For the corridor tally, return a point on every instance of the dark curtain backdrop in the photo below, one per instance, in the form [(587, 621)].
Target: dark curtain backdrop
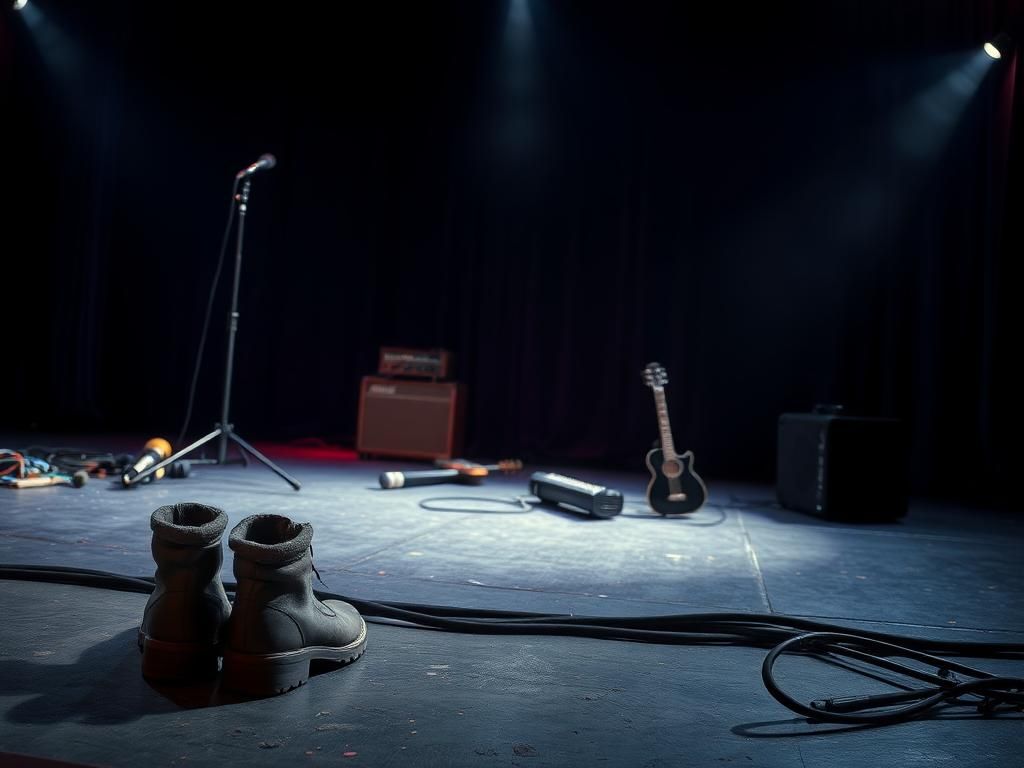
[(784, 205)]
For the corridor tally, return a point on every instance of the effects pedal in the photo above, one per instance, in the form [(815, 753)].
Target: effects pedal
[(595, 500)]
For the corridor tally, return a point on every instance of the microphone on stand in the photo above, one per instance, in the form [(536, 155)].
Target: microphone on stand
[(153, 451), (265, 163)]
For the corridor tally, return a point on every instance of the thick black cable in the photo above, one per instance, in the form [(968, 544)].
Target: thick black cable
[(206, 319), (758, 626), (56, 574), (782, 634), (994, 691)]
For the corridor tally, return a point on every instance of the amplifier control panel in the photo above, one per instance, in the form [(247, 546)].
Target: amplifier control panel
[(420, 363)]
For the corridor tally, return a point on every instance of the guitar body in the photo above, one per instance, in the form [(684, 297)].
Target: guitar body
[(674, 488)]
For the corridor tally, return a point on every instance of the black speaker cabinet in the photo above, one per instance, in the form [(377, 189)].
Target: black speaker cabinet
[(414, 419), (842, 467)]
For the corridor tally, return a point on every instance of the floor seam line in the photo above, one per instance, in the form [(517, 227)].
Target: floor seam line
[(748, 546), (400, 542)]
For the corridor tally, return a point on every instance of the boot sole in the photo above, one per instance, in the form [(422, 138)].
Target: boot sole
[(270, 674), (169, 662)]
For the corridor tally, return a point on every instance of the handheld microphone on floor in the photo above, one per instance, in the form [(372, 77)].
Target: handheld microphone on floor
[(596, 500), (448, 470), (155, 450), (417, 477)]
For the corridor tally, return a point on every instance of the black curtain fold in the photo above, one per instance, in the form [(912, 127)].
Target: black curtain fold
[(764, 200)]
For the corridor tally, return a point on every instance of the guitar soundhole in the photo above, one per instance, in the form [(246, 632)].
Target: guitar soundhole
[(672, 468)]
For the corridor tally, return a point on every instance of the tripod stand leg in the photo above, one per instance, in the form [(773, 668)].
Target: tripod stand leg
[(265, 461), (222, 447), (244, 455)]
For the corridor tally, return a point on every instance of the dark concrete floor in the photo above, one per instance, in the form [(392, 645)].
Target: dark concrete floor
[(70, 687)]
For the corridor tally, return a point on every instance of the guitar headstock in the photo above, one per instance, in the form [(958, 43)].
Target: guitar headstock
[(655, 375)]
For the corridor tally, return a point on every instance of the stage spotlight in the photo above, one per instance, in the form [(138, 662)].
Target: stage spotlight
[(19, 4), (999, 47)]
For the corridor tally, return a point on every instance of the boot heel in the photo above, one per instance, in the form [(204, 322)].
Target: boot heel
[(177, 661), (265, 675)]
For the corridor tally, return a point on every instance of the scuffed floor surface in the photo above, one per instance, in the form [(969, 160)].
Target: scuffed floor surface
[(71, 691)]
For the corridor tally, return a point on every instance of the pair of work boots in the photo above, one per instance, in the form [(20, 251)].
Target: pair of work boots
[(276, 625)]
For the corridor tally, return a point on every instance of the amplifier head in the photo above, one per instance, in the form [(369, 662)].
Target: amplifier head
[(421, 363)]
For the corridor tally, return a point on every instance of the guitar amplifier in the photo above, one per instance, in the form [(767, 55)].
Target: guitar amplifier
[(842, 467), (414, 419)]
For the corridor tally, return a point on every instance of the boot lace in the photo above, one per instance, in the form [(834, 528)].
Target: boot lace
[(314, 567)]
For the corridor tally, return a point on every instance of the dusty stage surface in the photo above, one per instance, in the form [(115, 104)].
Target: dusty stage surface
[(70, 687)]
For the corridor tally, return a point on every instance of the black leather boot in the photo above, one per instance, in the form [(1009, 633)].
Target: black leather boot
[(185, 617), (277, 624)]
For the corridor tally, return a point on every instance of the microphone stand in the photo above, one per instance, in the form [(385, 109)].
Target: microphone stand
[(224, 430)]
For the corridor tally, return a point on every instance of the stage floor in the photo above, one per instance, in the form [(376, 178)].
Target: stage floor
[(70, 687)]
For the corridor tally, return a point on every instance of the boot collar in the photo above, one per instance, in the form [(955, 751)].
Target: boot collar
[(188, 523), (270, 539)]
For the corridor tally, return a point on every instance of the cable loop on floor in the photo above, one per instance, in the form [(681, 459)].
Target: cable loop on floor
[(518, 502)]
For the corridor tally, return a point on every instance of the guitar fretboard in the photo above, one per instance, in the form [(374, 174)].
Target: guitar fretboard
[(667, 446)]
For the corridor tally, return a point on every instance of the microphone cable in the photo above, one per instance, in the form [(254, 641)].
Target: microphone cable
[(71, 459), (499, 506), (951, 684), (209, 311), (528, 502)]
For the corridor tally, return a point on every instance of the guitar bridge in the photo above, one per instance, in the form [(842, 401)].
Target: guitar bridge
[(677, 497)]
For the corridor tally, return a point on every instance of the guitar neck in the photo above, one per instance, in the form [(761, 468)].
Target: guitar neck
[(664, 427)]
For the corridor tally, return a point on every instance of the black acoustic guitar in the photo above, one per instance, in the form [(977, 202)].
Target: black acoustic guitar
[(674, 488)]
